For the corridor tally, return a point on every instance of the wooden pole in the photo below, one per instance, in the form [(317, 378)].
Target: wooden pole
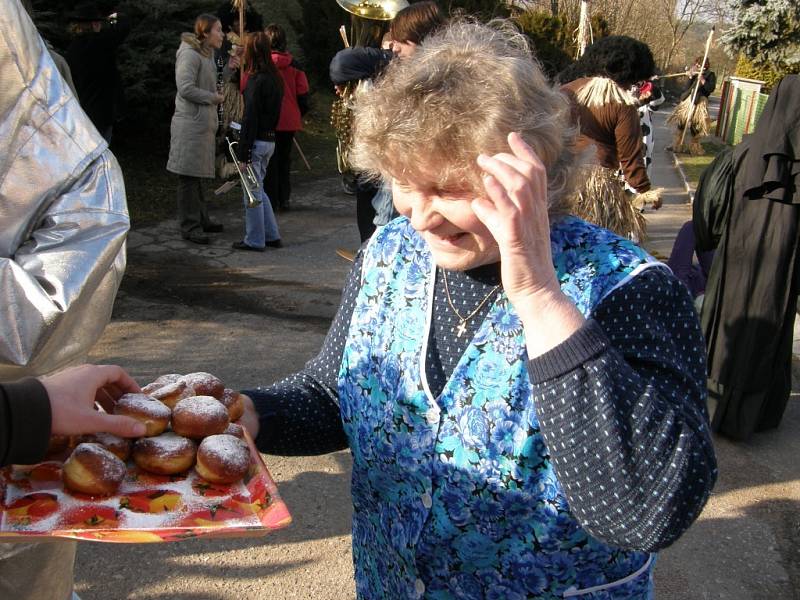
[(697, 85), (300, 150), (681, 74), (241, 20)]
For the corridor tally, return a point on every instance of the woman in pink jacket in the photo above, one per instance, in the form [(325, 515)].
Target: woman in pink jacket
[(295, 104)]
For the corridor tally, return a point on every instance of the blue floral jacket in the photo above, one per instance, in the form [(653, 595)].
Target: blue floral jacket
[(455, 496)]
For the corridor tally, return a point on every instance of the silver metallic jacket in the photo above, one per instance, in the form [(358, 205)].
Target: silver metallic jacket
[(63, 216)]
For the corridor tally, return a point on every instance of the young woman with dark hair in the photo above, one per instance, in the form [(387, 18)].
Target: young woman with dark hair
[(413, 24), (263, 93)]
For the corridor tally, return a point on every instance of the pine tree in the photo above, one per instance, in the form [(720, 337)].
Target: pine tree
[(146, 59), (318, 34), (765, 32), (483, 9)]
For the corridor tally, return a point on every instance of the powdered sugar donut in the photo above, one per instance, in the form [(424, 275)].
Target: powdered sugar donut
[(93, 470), (166, 454), (172, 393), (146, 409), (222, 459), (199, 416), (235, 430), (160, 382), (119, 447), (172, 388), (204, 384), (232, 400)]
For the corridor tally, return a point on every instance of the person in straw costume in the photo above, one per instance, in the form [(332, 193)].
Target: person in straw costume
[(598, 86), (698, 115)]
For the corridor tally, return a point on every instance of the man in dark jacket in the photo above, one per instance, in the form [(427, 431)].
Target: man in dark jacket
[(92, 58)]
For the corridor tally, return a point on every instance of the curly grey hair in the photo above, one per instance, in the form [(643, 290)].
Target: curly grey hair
[(463, 91)]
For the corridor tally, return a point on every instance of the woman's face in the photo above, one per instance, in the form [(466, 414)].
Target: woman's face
[(215, 36), (444, 218)]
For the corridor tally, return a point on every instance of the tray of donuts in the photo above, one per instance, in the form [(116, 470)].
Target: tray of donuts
[(196, 473)]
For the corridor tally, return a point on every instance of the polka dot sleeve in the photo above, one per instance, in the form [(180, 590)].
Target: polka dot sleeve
[(299, 415), (621, 405)]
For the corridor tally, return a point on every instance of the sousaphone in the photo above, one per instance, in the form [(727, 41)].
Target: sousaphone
[(369, 21)]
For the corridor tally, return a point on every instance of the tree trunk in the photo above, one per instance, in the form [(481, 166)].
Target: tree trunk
[(584, 27)]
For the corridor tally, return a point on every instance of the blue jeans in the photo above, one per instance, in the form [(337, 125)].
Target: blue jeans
[(259, 222)]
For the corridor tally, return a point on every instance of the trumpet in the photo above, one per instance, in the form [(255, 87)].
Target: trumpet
[(250, 182)]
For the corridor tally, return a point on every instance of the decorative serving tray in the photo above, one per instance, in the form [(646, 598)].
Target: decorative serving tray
[(146, 508)]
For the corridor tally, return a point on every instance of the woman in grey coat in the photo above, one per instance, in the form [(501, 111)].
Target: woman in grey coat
[(194, 125)]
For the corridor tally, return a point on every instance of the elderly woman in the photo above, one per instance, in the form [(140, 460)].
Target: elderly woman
[(194, 125), (522, 392)]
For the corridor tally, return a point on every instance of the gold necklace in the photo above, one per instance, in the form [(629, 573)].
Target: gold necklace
[(462, 325)]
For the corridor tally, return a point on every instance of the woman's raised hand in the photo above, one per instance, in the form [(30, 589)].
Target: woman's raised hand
[(515, 211)]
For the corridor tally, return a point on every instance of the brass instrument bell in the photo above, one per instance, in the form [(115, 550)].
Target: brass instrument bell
[(250, 183), (369, 19), (378, 10)]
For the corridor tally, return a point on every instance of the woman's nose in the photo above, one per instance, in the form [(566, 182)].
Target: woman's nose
[(423, 214)]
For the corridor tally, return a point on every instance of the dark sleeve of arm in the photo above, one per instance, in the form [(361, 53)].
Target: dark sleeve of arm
[(24, 422), (710, 83), (621, 405), (353, 64), (712, 201), (299, 415), (247, 137), (301, 85), (302, 103), (628, 136)]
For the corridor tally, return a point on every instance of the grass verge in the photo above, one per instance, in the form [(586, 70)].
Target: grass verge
[(693, 166)]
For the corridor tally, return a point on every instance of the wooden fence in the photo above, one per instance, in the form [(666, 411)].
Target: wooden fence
[(740, 107)]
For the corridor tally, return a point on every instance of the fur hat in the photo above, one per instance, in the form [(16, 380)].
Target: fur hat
[(618, 57)]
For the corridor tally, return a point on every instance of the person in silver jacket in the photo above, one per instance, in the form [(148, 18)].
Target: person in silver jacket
[(62, 250)]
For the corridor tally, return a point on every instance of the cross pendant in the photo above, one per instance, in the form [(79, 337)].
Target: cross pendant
[(461, 329)]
